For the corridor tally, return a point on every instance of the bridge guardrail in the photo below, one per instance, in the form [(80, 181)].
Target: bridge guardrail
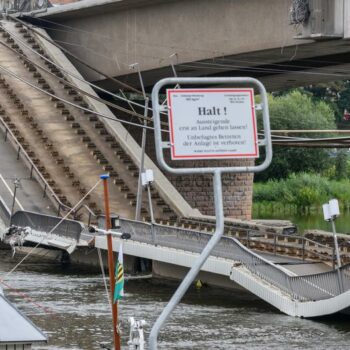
[(5, 212), (45, 223), (303, 288), (275, 242), (13, 6), (34, 172)]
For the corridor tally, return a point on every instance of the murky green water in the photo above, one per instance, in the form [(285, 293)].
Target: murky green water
[(311, 221)]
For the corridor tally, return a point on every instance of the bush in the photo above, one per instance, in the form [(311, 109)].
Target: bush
[(303, 190)]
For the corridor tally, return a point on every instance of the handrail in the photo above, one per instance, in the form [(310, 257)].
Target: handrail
[(33, 167), (250, 231), (91, 213), (45, 184), (303, 288)]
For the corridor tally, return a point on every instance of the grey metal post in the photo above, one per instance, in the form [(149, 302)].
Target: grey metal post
[(340, 280), (143, 145), (172, 63), (150, 202), (142, 165), (45, 187), (16, 183), (31, 171), (336, 243), (192, 274)]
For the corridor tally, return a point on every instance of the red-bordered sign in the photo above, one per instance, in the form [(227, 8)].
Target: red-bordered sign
[(212, 123)]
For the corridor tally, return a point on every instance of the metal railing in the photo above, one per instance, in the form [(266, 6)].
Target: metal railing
[(35, 173), (274, 242), (45, 223), (303, 288), (5, 212), (13, 6)]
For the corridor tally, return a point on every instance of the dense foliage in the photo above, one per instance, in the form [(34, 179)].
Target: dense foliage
[(297, 110), (336, 94), (302, 191), (299, 178)]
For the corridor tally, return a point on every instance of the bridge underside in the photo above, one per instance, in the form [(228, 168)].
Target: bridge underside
[(249, 38)]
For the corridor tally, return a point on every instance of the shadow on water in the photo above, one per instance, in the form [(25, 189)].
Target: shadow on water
[(340, 322), (208, 296)]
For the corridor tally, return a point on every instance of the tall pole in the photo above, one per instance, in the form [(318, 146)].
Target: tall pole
[(116, 336), (336, 243), (143, 145), (142, 166), (16, 182), (196, 267), (340, 280), (150, 202)]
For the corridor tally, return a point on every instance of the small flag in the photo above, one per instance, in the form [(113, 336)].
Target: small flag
[(119, 276)]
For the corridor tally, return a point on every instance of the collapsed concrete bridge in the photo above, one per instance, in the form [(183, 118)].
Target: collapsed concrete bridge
[(112, 35)]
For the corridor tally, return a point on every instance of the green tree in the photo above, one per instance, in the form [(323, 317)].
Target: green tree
[(297, 110), (336, 93), (341, 171)]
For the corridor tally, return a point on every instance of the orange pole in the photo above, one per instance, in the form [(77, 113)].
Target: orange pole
[(116, 336)]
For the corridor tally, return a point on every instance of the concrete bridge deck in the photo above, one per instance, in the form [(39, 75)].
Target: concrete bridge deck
[(70, 148), (296, 287), (203, 38)]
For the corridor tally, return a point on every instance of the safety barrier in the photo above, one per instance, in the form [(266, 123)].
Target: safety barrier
[(45, 223), (303, 288)]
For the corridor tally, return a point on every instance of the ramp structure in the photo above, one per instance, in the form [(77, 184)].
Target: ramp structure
[(296, 294), (304, 285)]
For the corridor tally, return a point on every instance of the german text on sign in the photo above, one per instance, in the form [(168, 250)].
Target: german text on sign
[(212, 123)]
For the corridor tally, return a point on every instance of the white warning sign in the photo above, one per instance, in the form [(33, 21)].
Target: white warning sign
[(212, 123)]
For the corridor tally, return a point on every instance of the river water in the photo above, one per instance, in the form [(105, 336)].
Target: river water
[(310, 221), (70, 305)]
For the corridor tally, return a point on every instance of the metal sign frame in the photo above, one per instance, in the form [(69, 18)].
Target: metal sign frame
[(161, 145), (217, 183)]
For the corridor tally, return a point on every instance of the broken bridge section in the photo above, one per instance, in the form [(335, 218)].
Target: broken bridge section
[(66, 148)]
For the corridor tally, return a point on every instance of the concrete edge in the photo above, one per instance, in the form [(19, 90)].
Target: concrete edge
[(283, 302), (83, 7), (167, 255)]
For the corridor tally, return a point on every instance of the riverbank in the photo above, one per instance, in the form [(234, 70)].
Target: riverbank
[(299, 198)]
